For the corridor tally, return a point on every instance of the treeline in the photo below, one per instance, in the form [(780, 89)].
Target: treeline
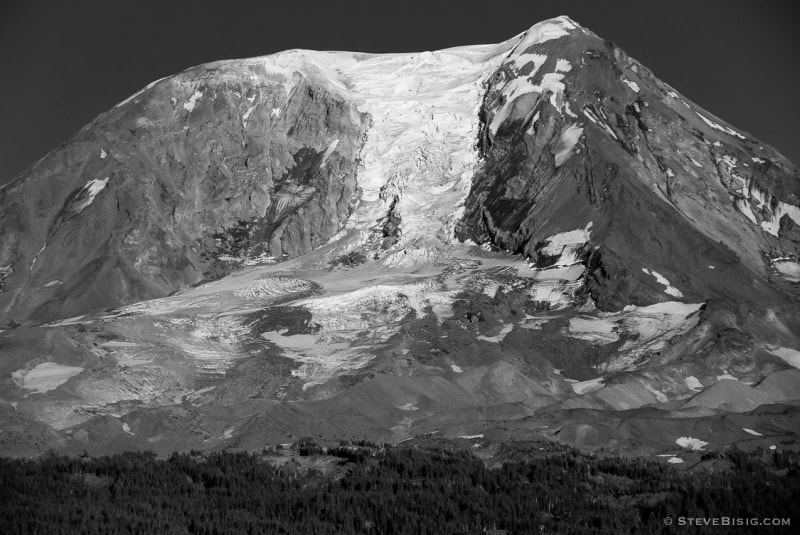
[(390, 490)]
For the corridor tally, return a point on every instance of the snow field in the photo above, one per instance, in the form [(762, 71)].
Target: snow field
[(45, 377)]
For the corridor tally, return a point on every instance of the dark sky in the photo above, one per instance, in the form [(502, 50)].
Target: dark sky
[(64, 62)]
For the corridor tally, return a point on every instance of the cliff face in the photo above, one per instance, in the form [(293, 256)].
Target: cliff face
[(221, 165)]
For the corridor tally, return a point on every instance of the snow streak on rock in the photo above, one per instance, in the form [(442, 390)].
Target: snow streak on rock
[(89, 192), (670, 289)]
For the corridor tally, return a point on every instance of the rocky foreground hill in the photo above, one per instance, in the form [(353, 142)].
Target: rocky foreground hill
[(533, 239)]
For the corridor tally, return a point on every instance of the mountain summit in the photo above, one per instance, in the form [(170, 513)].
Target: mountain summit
[(533, 238)]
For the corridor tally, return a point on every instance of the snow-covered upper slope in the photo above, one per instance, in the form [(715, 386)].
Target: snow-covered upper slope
[(420, 153)]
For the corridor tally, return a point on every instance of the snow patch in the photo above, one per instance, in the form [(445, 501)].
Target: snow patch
[(190, 104), (660, 396), (499, 337), (744, 207), (788, 268), (553, 83), (263, 258), (247, 115), (719, 127), (670, 290), (471, 437), (693, 383), (521, 61), (519, 86), (781, 208), (592, 116), (789, 356), (36, 257), (767, 203), (675, 460), (585, 387), (547, 30), (692, 444), (555, 286), (45, 377), (68, 321), (90, 191), (593, 329), (566, 246), (563, 65), (456, 368), (632, 85), (516, 88), (328, 152), (754, 433), (103, 154), (648, 328), (569, 138), (726, 376)]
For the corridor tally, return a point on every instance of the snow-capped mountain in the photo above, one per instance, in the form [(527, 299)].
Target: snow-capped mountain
[(533, 238)]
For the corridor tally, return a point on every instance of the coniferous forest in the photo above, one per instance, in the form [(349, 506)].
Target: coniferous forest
[(391, 490)]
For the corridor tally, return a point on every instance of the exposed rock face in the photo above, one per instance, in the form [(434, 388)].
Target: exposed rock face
[(222, 164), (533, 238)]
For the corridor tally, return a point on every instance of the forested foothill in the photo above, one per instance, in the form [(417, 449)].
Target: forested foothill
[(426, 488)]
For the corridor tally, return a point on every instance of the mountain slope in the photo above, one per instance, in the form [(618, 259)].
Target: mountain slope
[(511, 239)]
